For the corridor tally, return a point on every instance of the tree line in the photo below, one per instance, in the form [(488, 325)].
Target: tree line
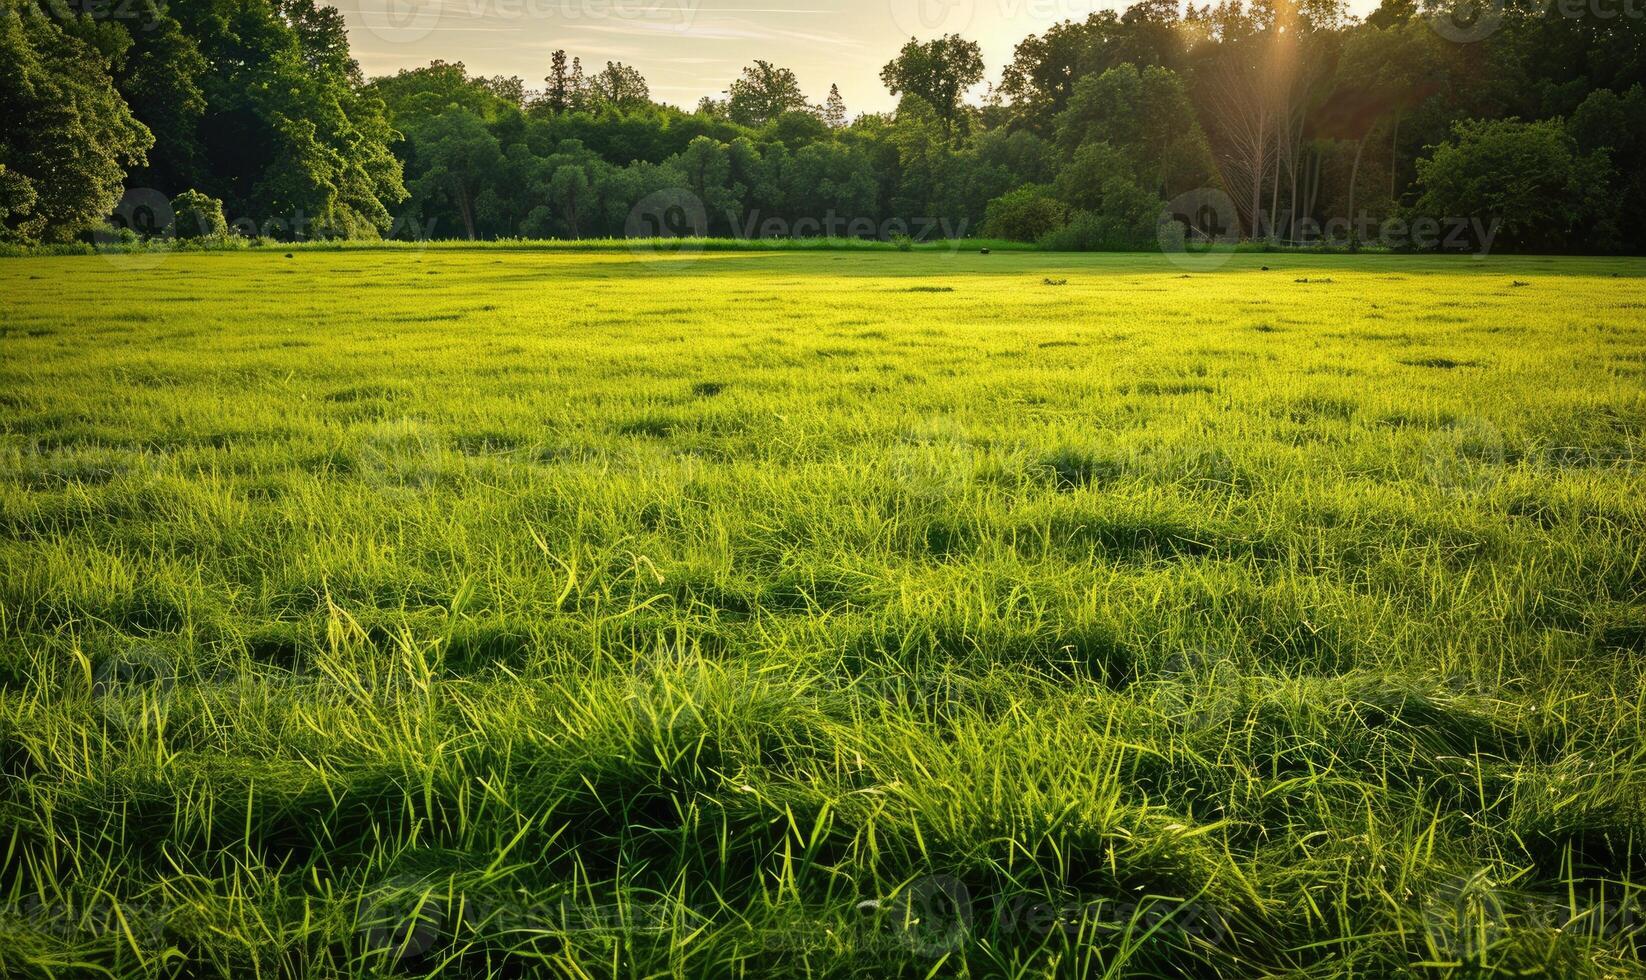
[(1523, 128)]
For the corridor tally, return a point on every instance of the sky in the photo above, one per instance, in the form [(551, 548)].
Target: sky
[(691, 48)]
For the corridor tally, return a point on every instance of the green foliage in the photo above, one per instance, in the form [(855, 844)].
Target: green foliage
[(197, 217), (763, 93), (1025, 214), (66, 136), (1087, 231), (1302, 115), (1148, 116), (1616, 125), (1529, 179), (1040, 80), (1108, 210), (618, 86), (938, 72), (17, 197)]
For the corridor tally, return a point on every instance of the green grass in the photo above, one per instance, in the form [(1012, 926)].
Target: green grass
[(461, 611), (637, 246)]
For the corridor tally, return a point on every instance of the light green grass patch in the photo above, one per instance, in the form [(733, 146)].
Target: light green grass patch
[(846, 613)]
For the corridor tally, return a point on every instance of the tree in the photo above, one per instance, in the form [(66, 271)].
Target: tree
[(161, 75), (1380, 75), (458, 155), (1041, 77), (1529, 177), (509, 88), (1616, 124), (419, 93), (834, 109), (578, 87), (1099, 178), (569, 189), (939, 72), (763, 93), (618, 86), (706, 165), (17, 199), (294, 143), (558, 97), (1146, 115), (66, 135)]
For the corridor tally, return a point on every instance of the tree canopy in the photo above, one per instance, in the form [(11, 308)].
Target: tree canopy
[(1311, 121)]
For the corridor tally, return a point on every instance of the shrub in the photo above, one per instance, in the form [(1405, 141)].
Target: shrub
[(1023, 215), (1526, 181), (1088, 231), (198, 217)]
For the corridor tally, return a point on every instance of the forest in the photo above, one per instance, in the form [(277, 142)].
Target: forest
[(1519, 128)]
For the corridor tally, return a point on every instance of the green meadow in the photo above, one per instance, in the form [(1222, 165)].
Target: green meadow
[(476, 612)]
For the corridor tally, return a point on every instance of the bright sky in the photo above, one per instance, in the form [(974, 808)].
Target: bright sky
[(691, 48)]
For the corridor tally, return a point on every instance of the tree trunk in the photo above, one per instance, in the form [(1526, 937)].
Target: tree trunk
[(1274, 183), (1394, 156), (1291, 224), (1257, 190), (1354, 174), (1314, 185), (466, 207)]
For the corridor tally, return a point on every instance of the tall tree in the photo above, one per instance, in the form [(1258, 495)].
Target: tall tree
[(619, 86), (459, 157), (939, 72), (569, 189), (834, 109), (1148, 117), (558, 94), (762, 93), (287, 139), (66, 136)]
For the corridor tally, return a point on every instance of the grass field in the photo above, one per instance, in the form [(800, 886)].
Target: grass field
[(872, 614)]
